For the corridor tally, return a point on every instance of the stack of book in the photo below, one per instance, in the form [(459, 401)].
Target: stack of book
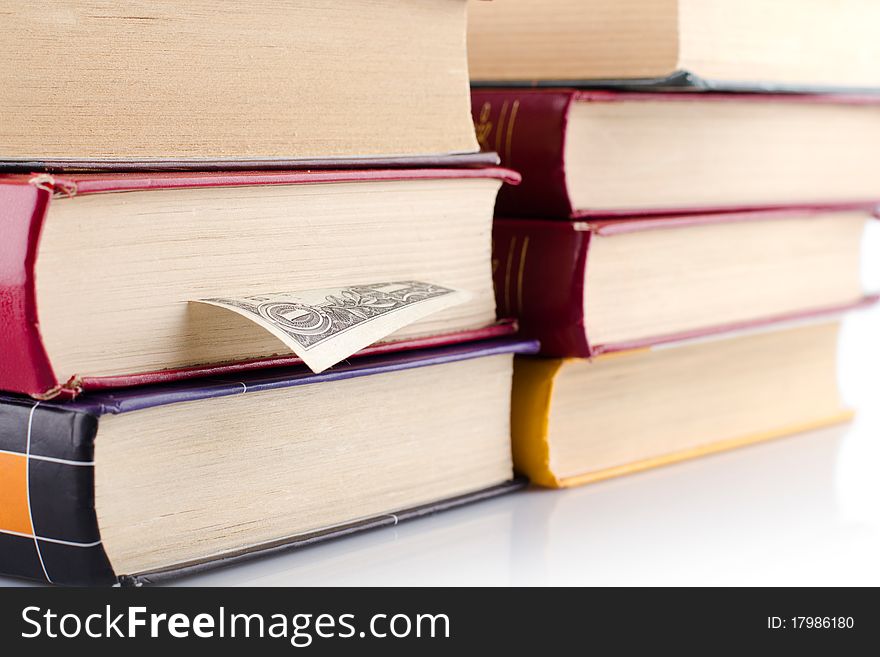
[(255, 291), (196, 199), (696, 187)]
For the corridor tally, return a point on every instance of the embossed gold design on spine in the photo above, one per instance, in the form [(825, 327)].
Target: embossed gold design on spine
[(507, 274), (483, 126), (500, 131), (509, 142), (519, 276)]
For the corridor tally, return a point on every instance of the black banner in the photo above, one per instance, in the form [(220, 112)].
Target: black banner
[(439, 621)]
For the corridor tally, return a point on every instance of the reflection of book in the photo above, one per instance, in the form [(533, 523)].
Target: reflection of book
[(149, 482), (740, 517), (463, 547), (577, 421)]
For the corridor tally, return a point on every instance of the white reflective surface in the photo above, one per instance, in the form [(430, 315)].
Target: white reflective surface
[(799, 511)]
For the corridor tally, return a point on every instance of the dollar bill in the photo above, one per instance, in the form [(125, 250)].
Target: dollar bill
[(325, 326)]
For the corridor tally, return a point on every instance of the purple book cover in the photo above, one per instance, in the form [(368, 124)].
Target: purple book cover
[(53, 443)]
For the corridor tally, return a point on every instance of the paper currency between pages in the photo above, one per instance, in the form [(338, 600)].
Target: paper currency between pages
[(327, 325)]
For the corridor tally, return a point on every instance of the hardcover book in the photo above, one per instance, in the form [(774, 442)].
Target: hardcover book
[(206, 84), (587, 288), (98, 270), (578, 421), (730, 45), (602, 153), (142, 484)]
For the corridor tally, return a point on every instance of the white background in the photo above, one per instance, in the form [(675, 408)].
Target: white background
[(803, 510)]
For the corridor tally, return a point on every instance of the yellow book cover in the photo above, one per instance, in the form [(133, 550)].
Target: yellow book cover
[(578, 421)]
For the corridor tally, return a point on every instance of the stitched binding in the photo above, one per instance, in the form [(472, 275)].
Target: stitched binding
[(48, 183), (71, 389)]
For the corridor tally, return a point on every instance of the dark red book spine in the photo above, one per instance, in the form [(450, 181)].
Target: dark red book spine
[(24, 365), (527, 129), (539, 273)]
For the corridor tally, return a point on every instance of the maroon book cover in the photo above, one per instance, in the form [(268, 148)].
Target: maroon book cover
[(527, 128), (540, 266), (25, 366)]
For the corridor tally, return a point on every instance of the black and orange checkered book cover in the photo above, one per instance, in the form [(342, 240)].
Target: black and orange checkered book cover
[(47, 514), (49, 527)]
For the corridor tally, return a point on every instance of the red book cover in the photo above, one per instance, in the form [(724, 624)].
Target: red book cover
[(527, 127), (540, 270), (25, 366)]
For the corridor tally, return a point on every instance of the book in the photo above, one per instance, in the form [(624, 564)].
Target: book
[(140, 484), (702, 44), (585, 288), (602, 153), (99, 270), (204, 84), (576, 421)]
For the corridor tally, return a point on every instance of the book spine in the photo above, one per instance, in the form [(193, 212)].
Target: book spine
[(532, 395), (538, 268), (24, 364), (527, 130), (48, 526)]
